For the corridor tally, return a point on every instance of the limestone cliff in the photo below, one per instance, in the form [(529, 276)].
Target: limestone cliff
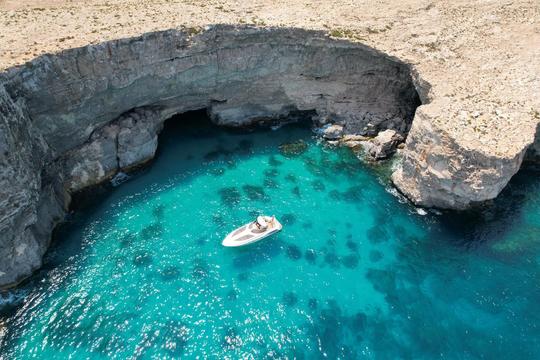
[(75, 119), (439, 169), (28, 200)]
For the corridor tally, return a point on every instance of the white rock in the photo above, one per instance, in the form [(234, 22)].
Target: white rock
[(384, 144), (333, 132)]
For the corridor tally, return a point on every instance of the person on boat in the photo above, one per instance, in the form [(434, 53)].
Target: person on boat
[(261, 223)]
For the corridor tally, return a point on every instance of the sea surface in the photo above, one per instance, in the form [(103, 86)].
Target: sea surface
[(139, 272)]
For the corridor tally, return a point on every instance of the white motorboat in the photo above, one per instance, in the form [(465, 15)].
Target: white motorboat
[(254, 231)]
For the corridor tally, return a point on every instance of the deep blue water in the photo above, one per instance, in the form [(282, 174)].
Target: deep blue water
[(355, 273)]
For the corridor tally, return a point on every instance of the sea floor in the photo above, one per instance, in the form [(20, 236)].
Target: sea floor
[(355, 273)]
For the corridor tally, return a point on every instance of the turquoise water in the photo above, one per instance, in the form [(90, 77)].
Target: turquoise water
[(355, 273)]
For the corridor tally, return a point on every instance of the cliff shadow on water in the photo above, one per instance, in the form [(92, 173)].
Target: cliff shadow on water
[(194, 124), (505, 228), (177, 129)]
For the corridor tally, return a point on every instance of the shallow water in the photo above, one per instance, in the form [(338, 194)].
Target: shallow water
[(355, 273)]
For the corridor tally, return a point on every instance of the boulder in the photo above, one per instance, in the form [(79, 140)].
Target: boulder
[(333, 132), (384, 144)]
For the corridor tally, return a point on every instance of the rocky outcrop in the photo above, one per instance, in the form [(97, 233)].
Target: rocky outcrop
[(384, 144), (241, 76), (128, 141), (75, 119), (333, 132), (437, 170), (354, 141)]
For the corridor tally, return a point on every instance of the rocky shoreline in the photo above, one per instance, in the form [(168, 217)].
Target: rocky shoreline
[(107, 129), (76, 119)]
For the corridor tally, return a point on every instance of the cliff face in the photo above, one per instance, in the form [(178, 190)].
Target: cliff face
[(436, 170), (533, 153), (29, 206), (75, 119)]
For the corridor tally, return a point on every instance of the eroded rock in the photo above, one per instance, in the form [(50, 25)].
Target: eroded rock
[(439, 171), (93, 162), (124, 143), (384, 144), (138, 137), (28, 201), (533, 152), (333, 132)]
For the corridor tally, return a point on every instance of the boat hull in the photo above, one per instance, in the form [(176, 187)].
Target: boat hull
[(249, 234)]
